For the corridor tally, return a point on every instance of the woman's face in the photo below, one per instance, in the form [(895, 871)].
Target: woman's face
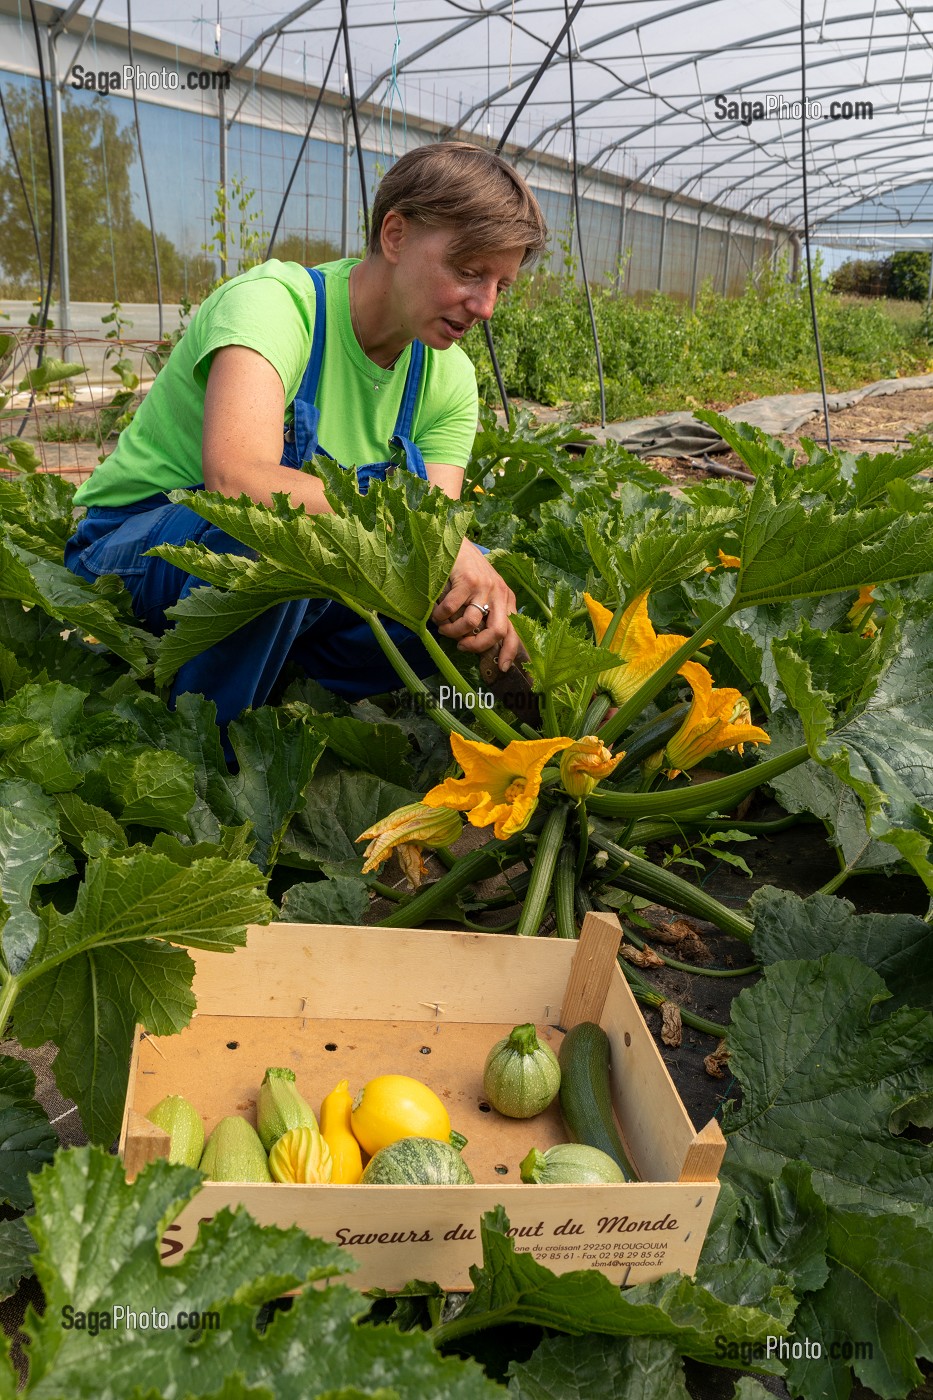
[(440, 295)]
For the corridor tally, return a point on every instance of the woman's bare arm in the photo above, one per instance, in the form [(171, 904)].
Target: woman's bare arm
[(244, 409)]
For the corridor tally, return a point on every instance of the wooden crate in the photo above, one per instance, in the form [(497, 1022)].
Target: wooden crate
[(341, 1002)]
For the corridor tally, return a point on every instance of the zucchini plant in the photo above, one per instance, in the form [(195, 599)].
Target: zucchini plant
[(763, 629), (808, 598)]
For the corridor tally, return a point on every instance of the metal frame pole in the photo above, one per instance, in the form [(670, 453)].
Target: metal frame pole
[(345, 206), (58, 176), (225, 227), (663, 241), (621, 248), (696, 262), (725, 269)]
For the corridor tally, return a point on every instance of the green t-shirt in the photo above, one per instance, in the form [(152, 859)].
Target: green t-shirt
[(270, 309)]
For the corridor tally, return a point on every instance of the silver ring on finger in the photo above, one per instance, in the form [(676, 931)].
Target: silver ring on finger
[(483, 607)]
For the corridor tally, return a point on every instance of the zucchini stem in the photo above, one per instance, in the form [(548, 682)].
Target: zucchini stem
[(542, 872), (689, 967), (644, 878), (413, 683), (650, 996), (476, 865), (700, 798), (496, 725), (564, 884)]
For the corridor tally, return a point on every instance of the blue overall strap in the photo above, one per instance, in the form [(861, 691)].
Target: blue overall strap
[(406, 410), (300, 439), (401, 437), (309, 382)]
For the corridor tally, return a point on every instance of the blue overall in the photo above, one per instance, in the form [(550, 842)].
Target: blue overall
[(327, 640)]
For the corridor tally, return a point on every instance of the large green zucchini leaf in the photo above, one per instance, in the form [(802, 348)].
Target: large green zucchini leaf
[(28, 577), (27, 1142), (594, 1367), (110, 962), (389, 552), (749, 1303), (98, 1244), (31, 854), (863, 1278), (821, 1078), (868, 719), (898, 946)]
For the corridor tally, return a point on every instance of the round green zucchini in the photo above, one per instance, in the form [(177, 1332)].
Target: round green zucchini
[(521, 1076), (571, 1162), (417, 1162)]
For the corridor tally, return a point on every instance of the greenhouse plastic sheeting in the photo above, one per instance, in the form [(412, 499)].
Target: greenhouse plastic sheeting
[(682, 435)]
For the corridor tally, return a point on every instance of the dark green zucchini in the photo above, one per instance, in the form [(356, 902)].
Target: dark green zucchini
[(650, 738), (585, 1100)]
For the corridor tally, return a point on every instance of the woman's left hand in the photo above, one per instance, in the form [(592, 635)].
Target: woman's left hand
[(473, 580)]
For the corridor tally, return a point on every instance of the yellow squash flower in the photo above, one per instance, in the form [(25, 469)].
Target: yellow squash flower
[(717, 719), (498, 786), (585, 764), (861, 609), (641, 648), (405, 832), (728, 561)]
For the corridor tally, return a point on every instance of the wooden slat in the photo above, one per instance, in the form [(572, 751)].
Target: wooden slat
[(144, 1143), (705, 1154), (655, 1125), (592, 970), (347, 973)]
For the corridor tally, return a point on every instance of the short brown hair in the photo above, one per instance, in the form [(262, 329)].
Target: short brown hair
[(453, 184)]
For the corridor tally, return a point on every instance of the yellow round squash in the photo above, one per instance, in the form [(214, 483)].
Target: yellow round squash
[(392, 1107)]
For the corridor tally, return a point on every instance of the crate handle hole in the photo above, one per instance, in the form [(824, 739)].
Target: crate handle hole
[(425, 1050), (501, 1170), (330, 1045), (233, 1045)]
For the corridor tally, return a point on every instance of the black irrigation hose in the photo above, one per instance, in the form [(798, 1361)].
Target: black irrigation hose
[(487, 331), (355, 115), (576, 215), (542, 68), (142, 166), (304, 144), (806, 214)]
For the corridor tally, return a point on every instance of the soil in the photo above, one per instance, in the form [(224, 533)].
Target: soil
[(874, 425)]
